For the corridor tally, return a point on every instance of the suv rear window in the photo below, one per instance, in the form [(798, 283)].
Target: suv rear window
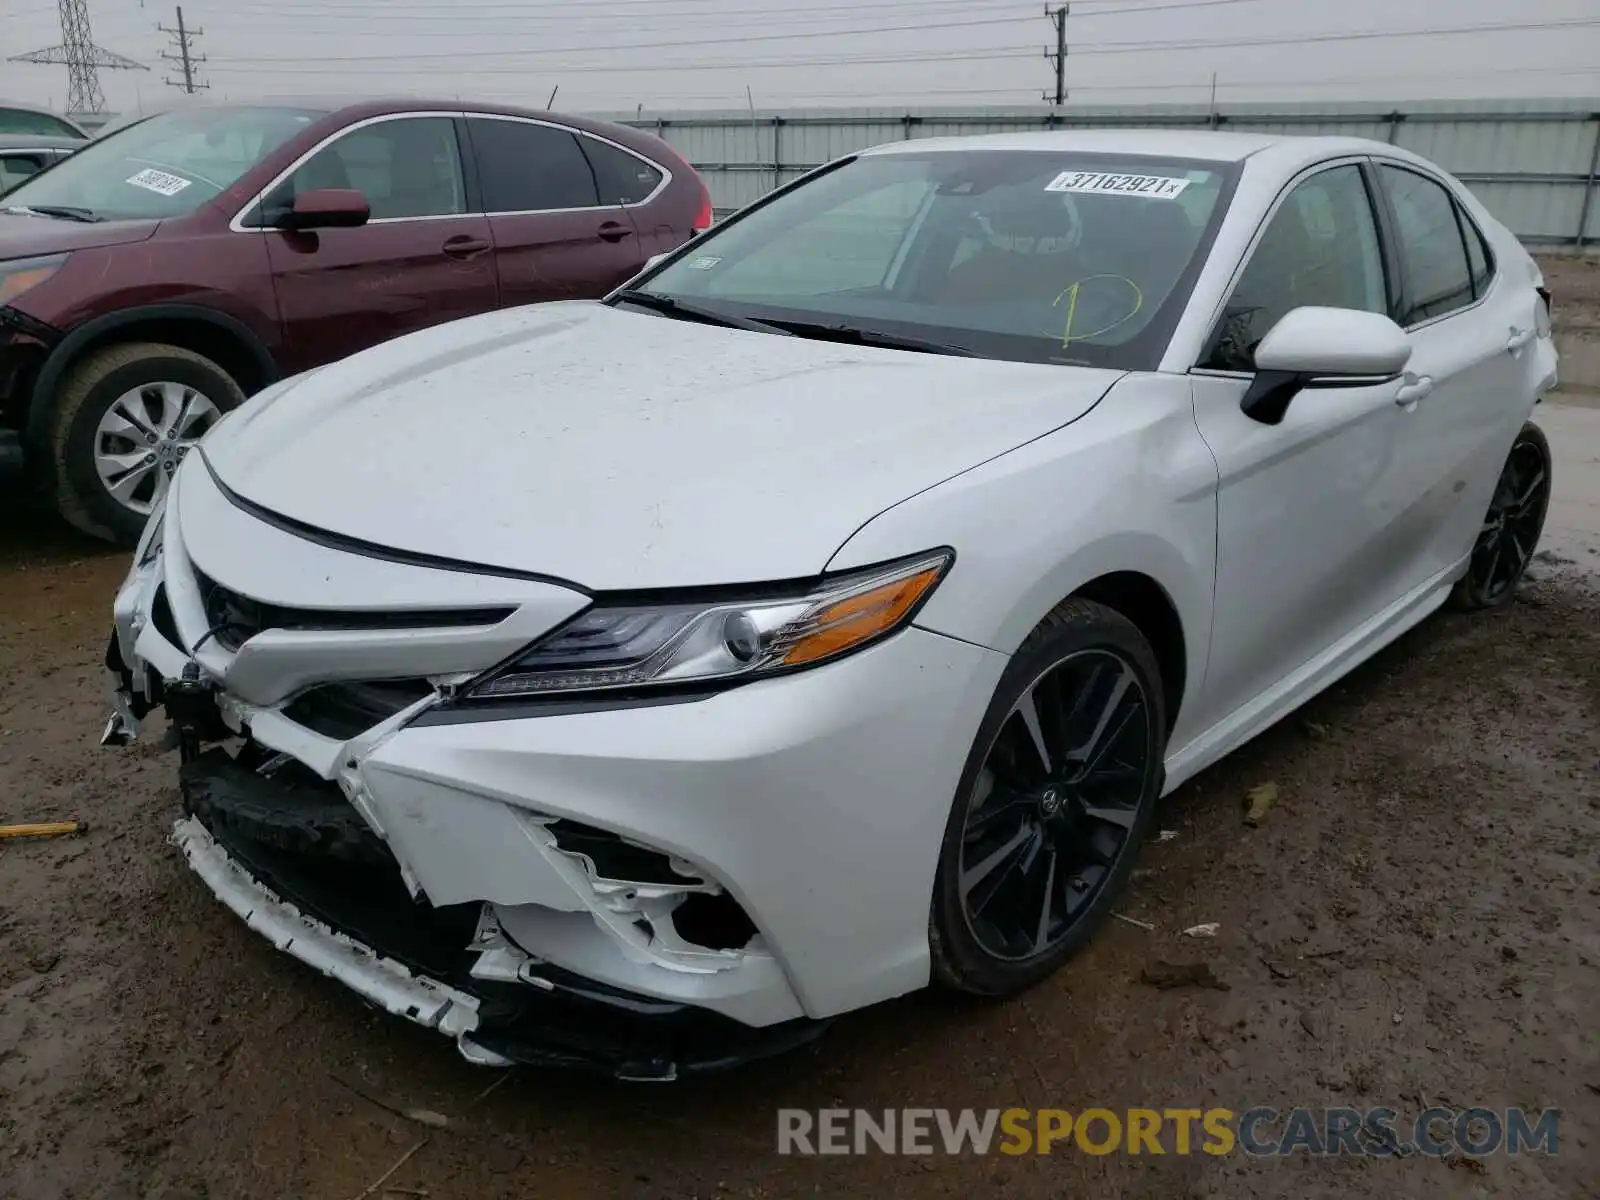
[(623, 178)]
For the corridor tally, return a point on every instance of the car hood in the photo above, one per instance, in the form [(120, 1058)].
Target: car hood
[(620, 449), (25, 237)]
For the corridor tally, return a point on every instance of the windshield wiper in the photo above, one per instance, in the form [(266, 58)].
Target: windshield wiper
[(60, 211), (668, 306), (876, 337)]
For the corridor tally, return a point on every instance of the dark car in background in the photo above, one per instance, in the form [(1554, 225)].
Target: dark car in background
[(30, 119), (24, 155), (174, 266)]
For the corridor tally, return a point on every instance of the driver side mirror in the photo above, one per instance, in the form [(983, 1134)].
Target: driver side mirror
[(1314, 347), (325, 208)]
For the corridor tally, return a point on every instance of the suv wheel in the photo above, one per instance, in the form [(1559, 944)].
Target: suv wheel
[(123, 420)]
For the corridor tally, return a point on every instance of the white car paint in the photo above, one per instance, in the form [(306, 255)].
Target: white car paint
[(742, 431), (524, 458)]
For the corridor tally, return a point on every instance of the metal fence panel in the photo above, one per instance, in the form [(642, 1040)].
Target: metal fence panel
[(1532, 162)]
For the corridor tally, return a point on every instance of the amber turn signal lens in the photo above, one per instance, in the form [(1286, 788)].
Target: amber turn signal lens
[(14, 284), (859, 618)]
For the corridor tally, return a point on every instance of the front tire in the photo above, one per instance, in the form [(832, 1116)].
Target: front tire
[(1058, 794), (122, 420), (1511, 528)]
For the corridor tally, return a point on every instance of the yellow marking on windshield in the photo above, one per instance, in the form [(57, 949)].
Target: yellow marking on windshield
[(1070, 294)]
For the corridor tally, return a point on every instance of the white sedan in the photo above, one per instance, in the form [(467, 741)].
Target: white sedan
[(639, 684)]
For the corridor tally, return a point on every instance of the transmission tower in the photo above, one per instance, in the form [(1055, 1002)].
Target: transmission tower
[(182, 39), (82, 57)]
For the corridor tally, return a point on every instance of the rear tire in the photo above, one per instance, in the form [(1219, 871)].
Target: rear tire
[(1061, 798), (95, 449), (1511, 529)]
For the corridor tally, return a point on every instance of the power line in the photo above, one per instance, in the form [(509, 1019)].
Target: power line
[(374, 62), (655, 11), (183, 39), (696, 42), (82, 59)]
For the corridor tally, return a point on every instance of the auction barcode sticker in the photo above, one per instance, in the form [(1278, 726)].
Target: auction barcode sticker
[(1160, 187), (159, 181)]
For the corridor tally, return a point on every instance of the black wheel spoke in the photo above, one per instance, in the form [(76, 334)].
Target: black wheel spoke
[(989, 874), (1056, 804), (1122, 818), (1047, 904), (1027, 710)]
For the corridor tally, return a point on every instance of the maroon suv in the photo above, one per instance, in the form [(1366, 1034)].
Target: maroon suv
[(169, 269)]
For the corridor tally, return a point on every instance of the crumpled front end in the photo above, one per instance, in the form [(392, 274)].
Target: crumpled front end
[(641, 888)]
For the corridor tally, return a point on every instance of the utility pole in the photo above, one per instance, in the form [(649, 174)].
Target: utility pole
[(182, 41), (1058, 17), (82, 58)]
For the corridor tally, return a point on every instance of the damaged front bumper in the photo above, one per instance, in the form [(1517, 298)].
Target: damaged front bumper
[(650, 890)]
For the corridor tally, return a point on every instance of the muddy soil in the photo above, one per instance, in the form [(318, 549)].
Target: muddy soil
[(1417, 917)]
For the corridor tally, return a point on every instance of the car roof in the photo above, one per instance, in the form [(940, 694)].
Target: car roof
[(1205, 144), (355, 107), (39, 141)]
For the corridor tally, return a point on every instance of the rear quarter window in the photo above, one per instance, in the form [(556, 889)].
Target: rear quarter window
[(622, 178)]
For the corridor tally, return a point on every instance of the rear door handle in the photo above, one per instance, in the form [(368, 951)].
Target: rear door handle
[(614, 231), (1413, 390), (464, 246), (1518, 339)]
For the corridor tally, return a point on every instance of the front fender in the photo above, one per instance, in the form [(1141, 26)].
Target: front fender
[(1129, 487)]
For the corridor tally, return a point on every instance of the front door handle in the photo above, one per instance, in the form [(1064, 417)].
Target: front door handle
[(465, 246), (1415, 388), (614, 231), (1518, 339)]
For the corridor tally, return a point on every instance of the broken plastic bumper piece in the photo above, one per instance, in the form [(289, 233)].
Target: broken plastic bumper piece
[(325, 890)]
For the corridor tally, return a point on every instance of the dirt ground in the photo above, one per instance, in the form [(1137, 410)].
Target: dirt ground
[(1416, 921)]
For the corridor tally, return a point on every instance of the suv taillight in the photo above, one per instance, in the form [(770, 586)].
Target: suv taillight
[(705, 217)]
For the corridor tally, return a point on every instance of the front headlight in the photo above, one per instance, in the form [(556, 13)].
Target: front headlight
[(22, 275), (629, 646)]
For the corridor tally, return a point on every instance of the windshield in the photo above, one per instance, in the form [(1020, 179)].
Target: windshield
[(164, 166), (1027, 255)]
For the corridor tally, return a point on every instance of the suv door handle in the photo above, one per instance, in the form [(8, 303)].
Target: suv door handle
[(1413, 389), (1518, 339), (464, 245), (614, 231)]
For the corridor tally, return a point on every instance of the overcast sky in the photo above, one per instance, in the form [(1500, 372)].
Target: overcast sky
[(663, 54)]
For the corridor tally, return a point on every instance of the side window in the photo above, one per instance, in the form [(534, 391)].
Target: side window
[(623, 178), (1431, 244), (1320, 248), (406, 167), (1479, 259), (14, 168), (530, 168)]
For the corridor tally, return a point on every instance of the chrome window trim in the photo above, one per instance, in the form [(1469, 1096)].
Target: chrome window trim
[(236, 225), (660, 168)]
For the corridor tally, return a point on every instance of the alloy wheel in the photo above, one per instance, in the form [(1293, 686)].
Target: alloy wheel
[(143, 437), (1511, 529), (1055, 804)]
